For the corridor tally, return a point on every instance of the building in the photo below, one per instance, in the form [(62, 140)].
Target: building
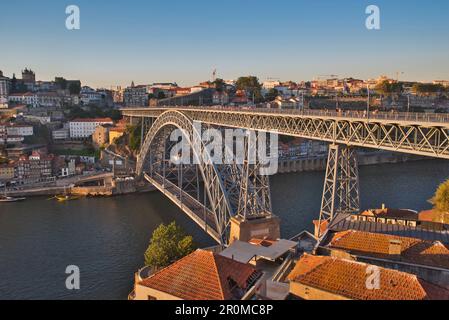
[(444, 83), (20, 130), (84, 128), (100, 136), (37, 167), (89, 96), (49, 99), (220, 98), (427, 259), (136, 96), (28, 98), (202, 275), (5, 85), (115, 133), (7, 172), (332, 278), (29, 79), (60, 134)]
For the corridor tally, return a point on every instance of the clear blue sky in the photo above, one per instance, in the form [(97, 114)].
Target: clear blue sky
[(181, 40)]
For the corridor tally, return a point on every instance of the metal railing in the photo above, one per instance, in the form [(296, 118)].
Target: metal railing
[(373, 115)]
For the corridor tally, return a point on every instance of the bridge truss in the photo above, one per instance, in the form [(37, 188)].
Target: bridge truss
[(209, 193), (237, 189)]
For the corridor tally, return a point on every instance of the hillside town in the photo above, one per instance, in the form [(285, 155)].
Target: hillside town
[(52, 130)]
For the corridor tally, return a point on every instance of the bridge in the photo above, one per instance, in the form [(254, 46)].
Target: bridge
[(215, 194)]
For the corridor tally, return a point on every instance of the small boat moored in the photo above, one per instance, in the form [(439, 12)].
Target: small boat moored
[(11, 199)]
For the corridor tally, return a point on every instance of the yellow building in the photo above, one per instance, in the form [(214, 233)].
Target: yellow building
[(115, 133), (6, 172)]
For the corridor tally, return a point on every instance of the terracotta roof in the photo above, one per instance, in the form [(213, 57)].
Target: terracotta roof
[(348, 279), (262, 242), (93, 120), (413, 250), (203, 275)]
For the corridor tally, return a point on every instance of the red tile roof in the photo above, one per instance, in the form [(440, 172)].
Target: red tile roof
[(203, 275), (107, 120), (413, 250), (348, 279)]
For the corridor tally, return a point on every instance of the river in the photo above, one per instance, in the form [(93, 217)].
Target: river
[(106, 237)]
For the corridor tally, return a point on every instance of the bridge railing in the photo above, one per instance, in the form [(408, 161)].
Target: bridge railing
[(372, 115)]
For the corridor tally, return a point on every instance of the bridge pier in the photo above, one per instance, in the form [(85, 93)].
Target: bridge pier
[(341, 184), (243, 229)]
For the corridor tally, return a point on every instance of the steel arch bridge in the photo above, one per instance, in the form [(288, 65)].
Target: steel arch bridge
[(231, 190), (209, 193)]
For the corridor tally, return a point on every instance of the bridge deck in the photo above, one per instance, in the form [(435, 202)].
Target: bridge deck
[(412, 133), (188, 204)]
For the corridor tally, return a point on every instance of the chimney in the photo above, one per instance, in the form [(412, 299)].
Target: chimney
[(395, 247)]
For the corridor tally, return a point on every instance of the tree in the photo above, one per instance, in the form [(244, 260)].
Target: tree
[(385, 88), (252, 86), (167, 245), (134, 137), (441, 198), (271, 95), (427, 88), (161, 95), (219, 85)]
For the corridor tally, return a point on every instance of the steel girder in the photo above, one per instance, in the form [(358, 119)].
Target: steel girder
[(413, 137), (223, 183), (341, 184)]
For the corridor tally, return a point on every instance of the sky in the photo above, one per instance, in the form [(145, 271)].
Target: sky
[(148, 41)]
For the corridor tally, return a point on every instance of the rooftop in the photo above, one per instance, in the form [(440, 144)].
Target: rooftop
[(92, 120), (427, 231), (204, 275), (348, 279), (377, 245)]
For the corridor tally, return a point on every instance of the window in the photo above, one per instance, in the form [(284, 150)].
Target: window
[(152, 298)]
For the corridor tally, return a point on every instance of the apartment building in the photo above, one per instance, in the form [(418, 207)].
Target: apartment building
[(84, 128)]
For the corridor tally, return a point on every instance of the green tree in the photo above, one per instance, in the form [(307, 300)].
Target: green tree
[(252, 86), (161, 95), (271, 94), (385, 88), (167, 245), (219, 85), (427, 88), (134, 133), (441, 198)]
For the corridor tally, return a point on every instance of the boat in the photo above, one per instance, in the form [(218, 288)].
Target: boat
[(11, 199), (5, 198), (66, 196)]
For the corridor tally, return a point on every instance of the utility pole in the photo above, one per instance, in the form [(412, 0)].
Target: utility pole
[(368, 102)]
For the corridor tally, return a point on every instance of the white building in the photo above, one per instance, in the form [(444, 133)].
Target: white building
[(24, 131), (29, 98), (136, 96), (84, 128), (61, 134), (4, 90), (90, 96)]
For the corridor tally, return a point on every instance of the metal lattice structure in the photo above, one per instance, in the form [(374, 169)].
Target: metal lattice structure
[(341, 184), (209, 193), (240, 190), (409, 133)]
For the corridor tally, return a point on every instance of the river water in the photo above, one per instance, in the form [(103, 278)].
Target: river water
[(106, 237)]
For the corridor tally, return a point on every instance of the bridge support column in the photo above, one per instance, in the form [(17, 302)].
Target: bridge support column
[(341, 185), (246, 229)]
